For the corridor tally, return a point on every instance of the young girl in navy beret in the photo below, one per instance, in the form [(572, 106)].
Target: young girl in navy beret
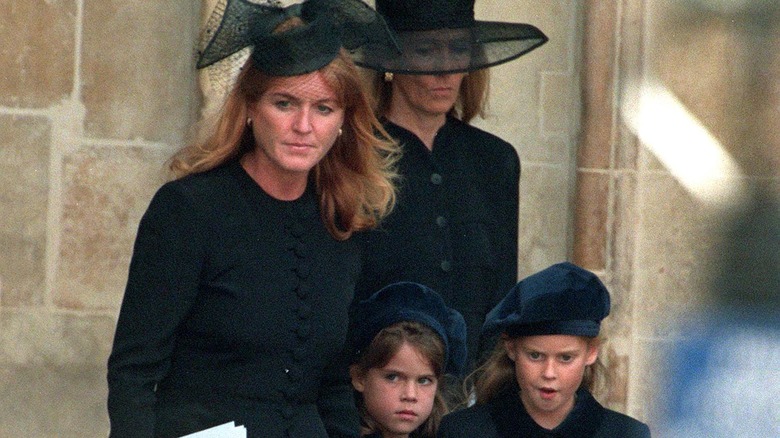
[(405, 340), (535, 384)]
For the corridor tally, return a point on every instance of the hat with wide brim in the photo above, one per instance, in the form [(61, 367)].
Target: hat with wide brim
[(442, 36)]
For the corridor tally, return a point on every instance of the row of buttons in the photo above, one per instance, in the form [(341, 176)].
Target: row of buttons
[(441, 221)]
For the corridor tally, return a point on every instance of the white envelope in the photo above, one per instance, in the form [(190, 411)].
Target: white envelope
[(227, 430)]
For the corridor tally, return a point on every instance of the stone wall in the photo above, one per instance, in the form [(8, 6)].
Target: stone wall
[(650, 228), (94, 96)]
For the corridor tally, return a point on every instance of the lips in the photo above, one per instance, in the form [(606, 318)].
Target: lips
[(299, 145), (407, 415), (441, 90), (547, 393)]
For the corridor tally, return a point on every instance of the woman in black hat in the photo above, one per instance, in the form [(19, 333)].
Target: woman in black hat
[(404, 340), (536, 383), (456, 221), (243, 267)]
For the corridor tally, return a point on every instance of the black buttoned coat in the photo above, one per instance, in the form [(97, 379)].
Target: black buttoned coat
[(235, 310), (454, 227)]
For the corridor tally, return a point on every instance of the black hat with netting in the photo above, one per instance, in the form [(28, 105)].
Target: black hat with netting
[(442, 36), (328, 25)]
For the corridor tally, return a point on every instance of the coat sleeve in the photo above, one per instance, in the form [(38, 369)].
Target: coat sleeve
[(336, 402), (508, 219), (161, 287), (506, 236), (467, 423)]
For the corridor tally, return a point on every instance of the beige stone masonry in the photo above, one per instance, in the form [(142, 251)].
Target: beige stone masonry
[(94, 97), (37, 52)]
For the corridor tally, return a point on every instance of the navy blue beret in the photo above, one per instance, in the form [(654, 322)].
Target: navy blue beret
[(563, 299), (408, 301)]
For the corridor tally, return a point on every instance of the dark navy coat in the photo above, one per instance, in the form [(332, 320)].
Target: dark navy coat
[(454, 228), (505, 417)]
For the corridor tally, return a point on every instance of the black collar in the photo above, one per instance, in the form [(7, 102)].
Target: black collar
[(512, 420)]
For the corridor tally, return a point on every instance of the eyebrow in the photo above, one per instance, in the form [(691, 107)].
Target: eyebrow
[(557, 353), (286, 95)]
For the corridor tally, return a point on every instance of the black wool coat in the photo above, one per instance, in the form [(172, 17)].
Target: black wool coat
[(505, 417), (454, 227), (235, 310)]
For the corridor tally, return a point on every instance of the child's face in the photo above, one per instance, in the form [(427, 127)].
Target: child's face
[(400, 395), (549, 370)]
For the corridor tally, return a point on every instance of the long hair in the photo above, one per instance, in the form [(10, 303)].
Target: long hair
[(382, 349), (355, 179), (497, 374), (471, 102)]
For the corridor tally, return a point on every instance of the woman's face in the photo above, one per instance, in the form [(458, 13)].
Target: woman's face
[(549, 370), (295, 123), (426, 95), (399, 396), (436, 50)]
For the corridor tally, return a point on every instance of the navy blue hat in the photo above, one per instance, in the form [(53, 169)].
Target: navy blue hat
[(563, 299), (408, 301)]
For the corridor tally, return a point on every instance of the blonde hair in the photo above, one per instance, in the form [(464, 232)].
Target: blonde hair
[(471, 102), (382, 349), (354, 181), (497, 374)]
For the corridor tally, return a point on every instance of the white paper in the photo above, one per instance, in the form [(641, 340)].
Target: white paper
[(227, 430)]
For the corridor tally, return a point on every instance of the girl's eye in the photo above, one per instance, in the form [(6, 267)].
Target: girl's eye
[(392, 377), (567, 358), (425, 381), (533, 355)]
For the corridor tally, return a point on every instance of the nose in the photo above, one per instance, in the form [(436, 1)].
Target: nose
[(302, 121), (549, 371), (409, 392)]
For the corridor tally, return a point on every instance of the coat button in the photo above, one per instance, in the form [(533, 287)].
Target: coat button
[(304, 330), (446, 266), (303, 290), (304, 311), (441, 221), (436, 178)]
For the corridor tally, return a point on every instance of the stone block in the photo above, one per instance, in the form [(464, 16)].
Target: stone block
[(598, 71), (24, 187), (545, 222), (47, 401), (591, 215), (675, 240), (37, 52), (557, 97), (526, 106), (138, 69), (616, 363), (105, 192), (622, 251), (41, 338), (647, 388)]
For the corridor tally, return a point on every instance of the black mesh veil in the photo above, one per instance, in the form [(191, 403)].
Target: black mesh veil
[(329, 26), (442, 36)]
